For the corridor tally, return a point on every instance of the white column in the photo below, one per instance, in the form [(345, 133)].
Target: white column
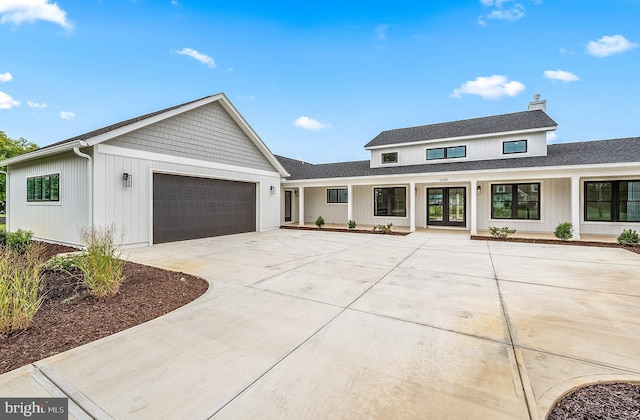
[(473, 215), (575, 206), (300, 206), (412, 207), (349, 202)]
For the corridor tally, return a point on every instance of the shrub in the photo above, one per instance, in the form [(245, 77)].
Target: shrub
[(501, 233), (628, 237), (19, 282), (66, 263), (564, 231), (385, 229), (351, 225), (19, 241), (3, 236), (320, 222), (101, 263)]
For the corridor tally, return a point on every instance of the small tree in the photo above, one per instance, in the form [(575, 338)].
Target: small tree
[(320, 222)]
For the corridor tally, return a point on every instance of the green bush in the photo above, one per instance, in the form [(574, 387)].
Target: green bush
[(501, 233), (3, 236), (628, 237), (100, 262), (385, 229), (19, 241), (564, 231), (351, 225), (320, 222), (19, 282), (66, 263)]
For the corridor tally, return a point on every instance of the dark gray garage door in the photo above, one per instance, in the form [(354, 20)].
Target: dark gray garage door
[(189, 207)]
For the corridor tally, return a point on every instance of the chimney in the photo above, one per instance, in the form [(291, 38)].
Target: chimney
[(537, 103)]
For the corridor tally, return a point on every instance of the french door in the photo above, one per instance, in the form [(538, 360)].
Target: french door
[(446, 206)]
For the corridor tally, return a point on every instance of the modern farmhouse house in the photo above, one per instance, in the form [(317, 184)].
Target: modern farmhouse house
[(198, 170), (190, 171), (472, 175)]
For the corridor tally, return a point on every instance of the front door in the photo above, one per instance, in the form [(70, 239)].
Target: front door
[(287, 206), (446, 206)]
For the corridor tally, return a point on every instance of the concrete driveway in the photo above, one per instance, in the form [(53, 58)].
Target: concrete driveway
[(305, 324)]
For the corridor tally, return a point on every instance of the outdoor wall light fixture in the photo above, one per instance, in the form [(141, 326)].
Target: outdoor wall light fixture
[(126, 180), (479, 190), (273, 189)]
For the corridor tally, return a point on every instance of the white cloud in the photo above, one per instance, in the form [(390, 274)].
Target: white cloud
[(310, 123), (7, 102), (492, 87), (203, 58), (563, 76), (608, 45), (551, 136), (5, 77), (381, 31), (66, 115), (36, 104), (512, 14), (497, 3), (19, 11)]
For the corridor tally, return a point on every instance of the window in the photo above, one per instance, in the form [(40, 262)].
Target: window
[(447, 153), (43, 188), (337, 195), (612, 201), (390, 157), (390, 201), (515, 201), (517, 146)]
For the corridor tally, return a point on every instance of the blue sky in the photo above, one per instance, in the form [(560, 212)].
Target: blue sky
[(318, 80)]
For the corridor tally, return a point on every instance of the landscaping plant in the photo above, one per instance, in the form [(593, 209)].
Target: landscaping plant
[(385, 229), (628, 237), (320, 222), (100, 262), (564, 231), (19, 282), (501, 233), (351, 225), (19, 241)]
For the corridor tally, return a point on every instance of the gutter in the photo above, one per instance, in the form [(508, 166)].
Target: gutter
[(46, 151), (76, 150)]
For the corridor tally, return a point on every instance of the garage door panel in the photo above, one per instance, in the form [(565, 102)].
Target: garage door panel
[(190, 207)]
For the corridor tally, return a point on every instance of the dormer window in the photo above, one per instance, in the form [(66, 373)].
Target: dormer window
[(390, 157), (447, 152), (517, 146)]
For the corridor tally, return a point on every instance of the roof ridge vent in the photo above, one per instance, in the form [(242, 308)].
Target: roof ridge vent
[(537, 103)]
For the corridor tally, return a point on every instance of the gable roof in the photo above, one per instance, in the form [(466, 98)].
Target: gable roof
[(563, 154), (515, 122), (100, 135)]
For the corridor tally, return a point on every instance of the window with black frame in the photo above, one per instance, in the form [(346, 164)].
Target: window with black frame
[(43, 188), (337, 195), (515, 201), (390, 201), (612, 201)]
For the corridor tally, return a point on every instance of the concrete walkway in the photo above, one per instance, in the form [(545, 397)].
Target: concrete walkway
[(305, 324)]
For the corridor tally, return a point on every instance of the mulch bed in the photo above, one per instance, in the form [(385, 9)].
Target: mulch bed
[(70, 316), (599, 401), (327, 229), (635, 248)]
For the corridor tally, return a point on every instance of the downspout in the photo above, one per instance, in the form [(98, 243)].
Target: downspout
[(6, 203), (77, 151)]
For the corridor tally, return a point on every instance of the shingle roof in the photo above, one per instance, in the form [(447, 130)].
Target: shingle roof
[(120, 124), (562, 154), (525, 120)]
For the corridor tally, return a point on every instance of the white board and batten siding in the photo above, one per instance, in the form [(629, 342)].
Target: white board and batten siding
[(205, 142), (59, 221)]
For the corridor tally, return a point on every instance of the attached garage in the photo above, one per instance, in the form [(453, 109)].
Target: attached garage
[(186, 207)]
